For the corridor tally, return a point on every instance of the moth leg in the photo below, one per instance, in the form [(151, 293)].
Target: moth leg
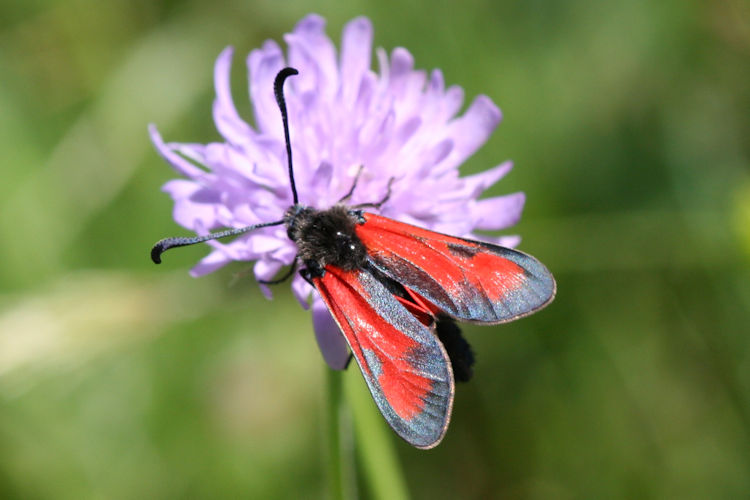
[(305, 273), (283, 278), (354, 185), (348, 361), (310, 271), (381, 202)]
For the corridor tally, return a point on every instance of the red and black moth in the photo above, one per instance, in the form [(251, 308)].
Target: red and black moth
[(396, 290)]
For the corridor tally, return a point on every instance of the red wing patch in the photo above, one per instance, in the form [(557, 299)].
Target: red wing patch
[(469, 280), (405, 366)]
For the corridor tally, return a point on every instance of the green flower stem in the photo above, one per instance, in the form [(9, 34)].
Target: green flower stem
[(335, 474), (375, 444)]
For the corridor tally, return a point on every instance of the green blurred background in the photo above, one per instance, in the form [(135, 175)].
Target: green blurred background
[(629, 124)]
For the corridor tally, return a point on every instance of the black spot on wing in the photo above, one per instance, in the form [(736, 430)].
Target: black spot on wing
[(462, 251), (402, 270), (513, 255)]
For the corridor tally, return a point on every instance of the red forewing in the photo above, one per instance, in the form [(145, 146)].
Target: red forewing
[(405, 366), (468, 280)]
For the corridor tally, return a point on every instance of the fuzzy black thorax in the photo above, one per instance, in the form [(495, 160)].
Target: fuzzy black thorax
[(326, 237)]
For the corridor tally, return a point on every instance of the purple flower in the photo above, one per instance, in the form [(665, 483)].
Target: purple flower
[(397, 123)]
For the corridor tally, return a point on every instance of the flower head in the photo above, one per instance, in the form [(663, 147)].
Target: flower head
[(397, 123)]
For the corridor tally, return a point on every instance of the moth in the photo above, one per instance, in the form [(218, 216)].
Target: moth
[(396, 292)]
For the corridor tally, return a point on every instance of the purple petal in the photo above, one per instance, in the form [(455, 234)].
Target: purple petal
[(205, 196), (180, 189), (210, 263), (454, 99), (286, 252), (235, 250), (401, 68), (266, 291), (314, 55), (439, 152), (476, 184), (263, 65), (331, 341), (471, 130), (364, 101), (439, 104), (356, 50), (228, 121), (302, 291), (322, 178), (189, 210), (436, 87), (265, 269), (262, 243), (179, 163), (499, 212)]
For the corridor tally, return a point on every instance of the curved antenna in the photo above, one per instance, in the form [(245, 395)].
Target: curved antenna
[(278, 90), (162, 246)]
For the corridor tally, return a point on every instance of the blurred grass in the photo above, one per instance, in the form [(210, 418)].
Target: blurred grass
[(628, 124)]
